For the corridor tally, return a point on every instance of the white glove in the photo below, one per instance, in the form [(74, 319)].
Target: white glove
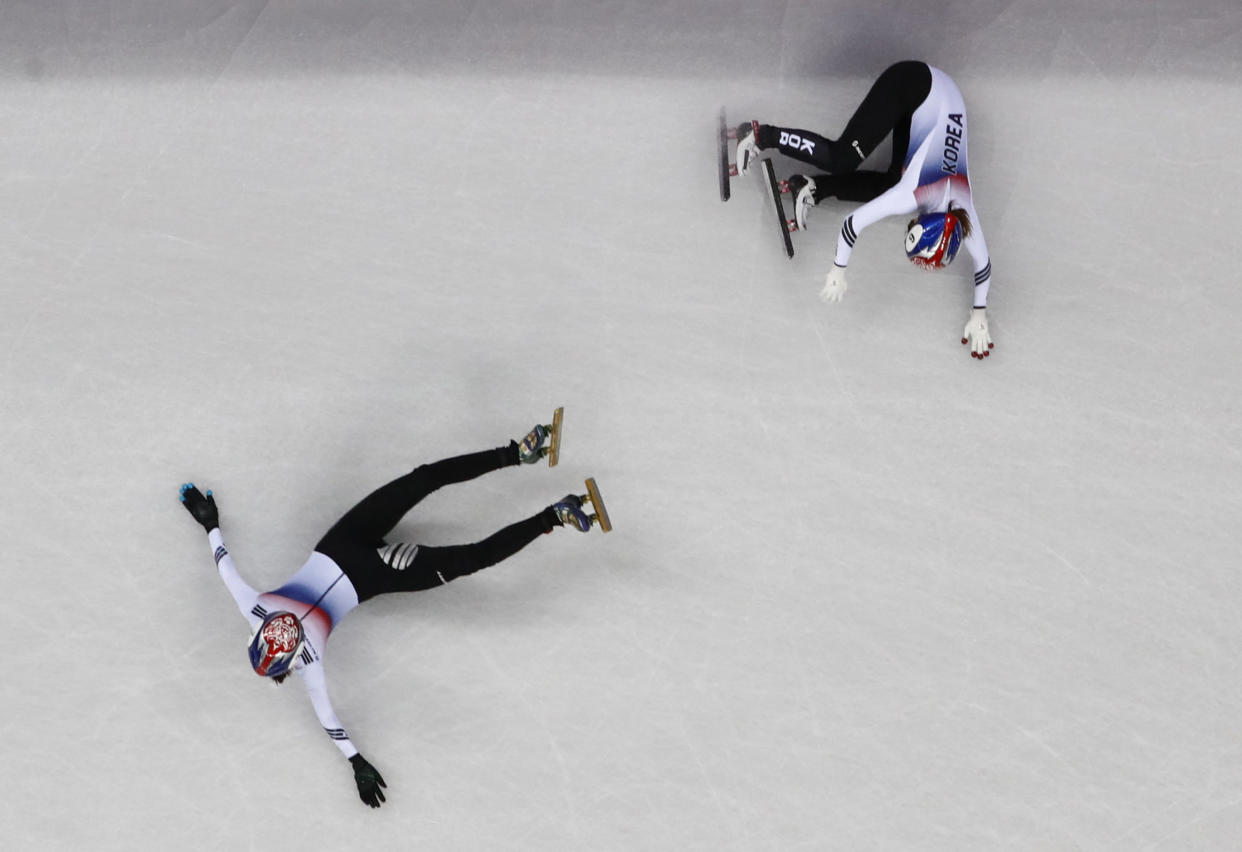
[(976, 334), (834, 285)]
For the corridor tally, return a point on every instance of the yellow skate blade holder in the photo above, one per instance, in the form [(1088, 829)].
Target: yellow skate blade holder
[(600, 515), (554, 448)]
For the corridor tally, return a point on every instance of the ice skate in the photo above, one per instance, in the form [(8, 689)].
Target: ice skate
[(543, 441), (600, 515), (802, 188), (747, 146), (532, 448), (569, 511), (572, 514)]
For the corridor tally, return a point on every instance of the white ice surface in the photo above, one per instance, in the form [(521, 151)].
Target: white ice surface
[(863, 592)]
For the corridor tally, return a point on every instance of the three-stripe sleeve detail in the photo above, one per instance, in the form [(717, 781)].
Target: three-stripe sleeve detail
[(847, 231)]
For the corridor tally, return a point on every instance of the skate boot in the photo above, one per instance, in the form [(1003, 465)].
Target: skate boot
[(802, 188), (532, 448), (569, 511), (747, 146), (543, 441)]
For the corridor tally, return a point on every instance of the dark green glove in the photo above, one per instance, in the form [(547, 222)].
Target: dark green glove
[(203, 508), (369, 781)]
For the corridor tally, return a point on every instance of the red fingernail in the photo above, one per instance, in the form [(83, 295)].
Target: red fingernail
[(963, 341), (990, 345)]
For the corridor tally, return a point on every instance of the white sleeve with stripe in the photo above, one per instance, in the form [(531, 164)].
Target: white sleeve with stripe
[(242, 593), (896, 201), (317, 689), (978, 249)]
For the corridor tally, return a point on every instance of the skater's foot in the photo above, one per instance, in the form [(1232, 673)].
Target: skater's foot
[(569, 512), (747, 146), (532, 448), (802, 188)]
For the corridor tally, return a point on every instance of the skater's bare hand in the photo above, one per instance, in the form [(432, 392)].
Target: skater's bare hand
[(834, 285)]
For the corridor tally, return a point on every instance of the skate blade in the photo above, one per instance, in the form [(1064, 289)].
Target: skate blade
[(774, 192)]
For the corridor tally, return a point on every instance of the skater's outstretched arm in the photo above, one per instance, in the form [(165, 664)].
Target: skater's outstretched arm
[(243, 594), (898, 201), (317, 689), (978, 248), (203, 509), (366, 776), (977, 335)]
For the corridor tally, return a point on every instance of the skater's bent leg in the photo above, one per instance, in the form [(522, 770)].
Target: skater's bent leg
[(407, 568), (886, 109), (806, 146), (377, 513), (854, 186), (455, 561)]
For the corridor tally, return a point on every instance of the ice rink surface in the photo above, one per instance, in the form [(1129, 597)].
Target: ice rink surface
[(863, 592)]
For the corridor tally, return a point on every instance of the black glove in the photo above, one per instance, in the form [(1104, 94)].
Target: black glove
[(202, 508), (369, 781)]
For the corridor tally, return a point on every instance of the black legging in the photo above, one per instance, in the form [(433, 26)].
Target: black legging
[(888, 108), (354, 540)]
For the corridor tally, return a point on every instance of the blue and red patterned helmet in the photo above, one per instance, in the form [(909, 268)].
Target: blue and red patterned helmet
[(276, 643), (932, 240)]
